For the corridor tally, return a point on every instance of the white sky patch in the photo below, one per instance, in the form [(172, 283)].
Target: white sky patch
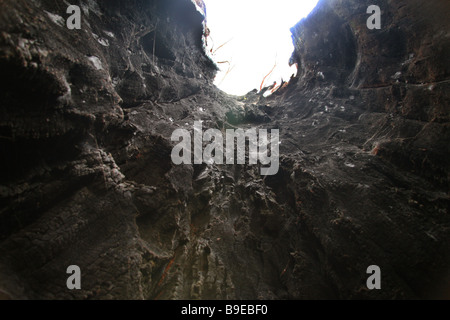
[(255, 35)]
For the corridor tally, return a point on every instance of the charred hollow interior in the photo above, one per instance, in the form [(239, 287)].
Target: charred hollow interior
[(87, 177)]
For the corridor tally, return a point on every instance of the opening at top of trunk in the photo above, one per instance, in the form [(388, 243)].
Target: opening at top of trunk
[(251, 42)]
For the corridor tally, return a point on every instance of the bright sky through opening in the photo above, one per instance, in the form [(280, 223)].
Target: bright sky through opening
[(249, 37)]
